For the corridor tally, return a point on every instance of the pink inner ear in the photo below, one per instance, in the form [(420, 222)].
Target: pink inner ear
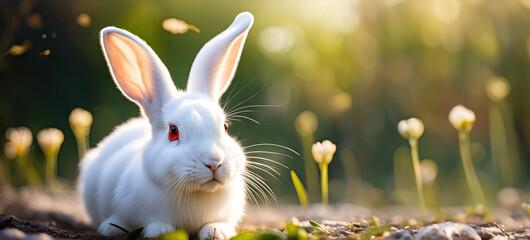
[(130, 66), (229, 64)]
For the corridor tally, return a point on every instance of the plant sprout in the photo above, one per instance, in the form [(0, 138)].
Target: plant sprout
[(306, 124), (502, 134), (17, 147), (80, 122), (50, 140), (411, 129), (315, 224), (300, 190), (462, 120), (323, 155)]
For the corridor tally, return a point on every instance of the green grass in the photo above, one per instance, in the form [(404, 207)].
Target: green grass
[(300, 190)]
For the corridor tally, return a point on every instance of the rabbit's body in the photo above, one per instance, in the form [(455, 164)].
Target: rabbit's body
[(121, 192), (189, 176)]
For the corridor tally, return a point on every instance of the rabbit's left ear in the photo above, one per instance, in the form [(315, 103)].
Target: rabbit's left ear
[(137, 71), (216, 63)]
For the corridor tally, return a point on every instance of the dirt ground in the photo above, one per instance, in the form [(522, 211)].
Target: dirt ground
[(43, 214)]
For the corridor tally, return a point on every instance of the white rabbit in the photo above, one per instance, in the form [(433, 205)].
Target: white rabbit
[(175, 166)]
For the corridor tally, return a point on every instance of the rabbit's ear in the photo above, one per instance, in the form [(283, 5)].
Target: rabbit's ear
[(136, 69), (216, 63)]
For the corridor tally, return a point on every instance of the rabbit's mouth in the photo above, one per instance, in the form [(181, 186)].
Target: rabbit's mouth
[(212, 185), (213, 181)]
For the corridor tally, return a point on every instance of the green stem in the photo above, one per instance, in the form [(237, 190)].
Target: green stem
[(311, 172), (430, 201), (324, 182), (471, 175), (499, 147), (512, 142), (82, 145), (417, 174), (51, 169), (28, 171)]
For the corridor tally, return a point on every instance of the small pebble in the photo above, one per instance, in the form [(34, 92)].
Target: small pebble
[(499, 238), (12, 234), (447, 231), (334, 224), (488, 232), (398, 235), (39, 236), (363, 223)]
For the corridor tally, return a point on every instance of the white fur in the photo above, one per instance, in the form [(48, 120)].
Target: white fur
[(137, 177)]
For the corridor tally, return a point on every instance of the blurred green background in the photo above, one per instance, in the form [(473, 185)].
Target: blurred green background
[(360, 65)]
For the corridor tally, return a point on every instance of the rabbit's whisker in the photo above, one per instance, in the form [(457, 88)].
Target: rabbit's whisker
[(272, 145), (269, 152), (251, 97), (244, 117), (261, 167), (253, 182), (260, 181), (252, 158), (230, 97)]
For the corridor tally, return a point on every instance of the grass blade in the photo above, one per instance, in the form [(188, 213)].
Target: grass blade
[(300, 190), (315, 224), (135, 234), (120, 227)]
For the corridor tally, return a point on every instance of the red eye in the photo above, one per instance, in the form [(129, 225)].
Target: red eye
[(173, 133), (226, 127)]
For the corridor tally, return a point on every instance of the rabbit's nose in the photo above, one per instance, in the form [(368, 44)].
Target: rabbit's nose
[(213, 167)]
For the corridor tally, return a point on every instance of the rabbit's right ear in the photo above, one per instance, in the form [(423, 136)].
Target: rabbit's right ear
[(216, 63), (137, 70)]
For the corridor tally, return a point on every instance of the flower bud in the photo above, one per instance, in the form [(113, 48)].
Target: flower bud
[(19, 140), (80, 122), (411, 128), (462, 118), (50, 140), (323, 152)]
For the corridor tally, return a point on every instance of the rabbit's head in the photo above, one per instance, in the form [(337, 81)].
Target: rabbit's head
[(190, 149)]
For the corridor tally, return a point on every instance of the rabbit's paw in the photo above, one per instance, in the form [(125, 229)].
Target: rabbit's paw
[(108, 230), (216, 231), (156, 229)]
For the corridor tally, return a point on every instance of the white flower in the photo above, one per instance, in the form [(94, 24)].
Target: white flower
[(50, 140), (323, 152), (306, 122), (19, 140), (411, 128), (497, 88), (428, 171), (80, 121), (462, 118)]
